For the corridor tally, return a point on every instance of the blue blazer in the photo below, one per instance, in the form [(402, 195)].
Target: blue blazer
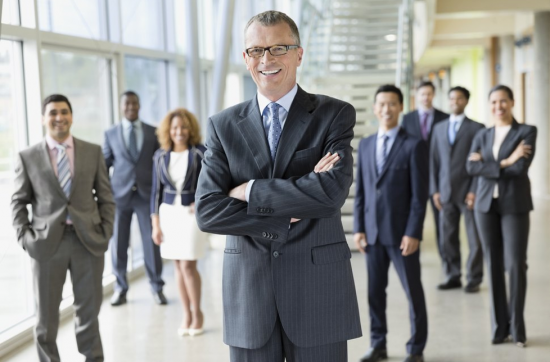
[(164, 190), (392, 204), (128, 173)]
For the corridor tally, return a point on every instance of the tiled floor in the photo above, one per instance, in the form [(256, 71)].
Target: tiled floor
[(459, 328)]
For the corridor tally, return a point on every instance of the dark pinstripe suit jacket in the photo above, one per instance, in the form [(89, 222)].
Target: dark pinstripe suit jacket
[(301, 273)]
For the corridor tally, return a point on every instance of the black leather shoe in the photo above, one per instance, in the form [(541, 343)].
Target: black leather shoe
[(159, 298), (501, 340), (374, 354), (451, 284), (118, 298), (414, 358), (471, 288)]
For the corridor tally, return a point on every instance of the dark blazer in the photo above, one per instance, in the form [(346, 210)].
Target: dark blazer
[(401, 190), (448, 174), (164, 189), (299, 271), (514, 187), (128, 173), (411, 123), (90, 203)]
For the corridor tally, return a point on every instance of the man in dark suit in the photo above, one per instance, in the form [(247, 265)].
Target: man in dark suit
[(128, 148), (390, 205), (65, 181), (288, 287), (420, 123), (453, 192)]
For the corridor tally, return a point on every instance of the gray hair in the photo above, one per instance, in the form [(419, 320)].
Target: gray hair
[(272, 17)]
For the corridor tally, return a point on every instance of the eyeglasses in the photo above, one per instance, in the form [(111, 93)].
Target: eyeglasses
[(275, 50)]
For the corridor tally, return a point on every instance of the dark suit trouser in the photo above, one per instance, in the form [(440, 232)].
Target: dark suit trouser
[(408, 268), (436, 222), (121, 241), (449, 243), (86, 277), (279, 348), (504, 240)]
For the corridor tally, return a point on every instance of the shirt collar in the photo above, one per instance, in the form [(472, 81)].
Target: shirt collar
[(422, 110), (285, 101), (392, 133), (127, 124), (459, 118), (52, 144)]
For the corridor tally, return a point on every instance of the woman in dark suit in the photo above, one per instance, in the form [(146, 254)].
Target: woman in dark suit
[(176, 168), (500, 158)]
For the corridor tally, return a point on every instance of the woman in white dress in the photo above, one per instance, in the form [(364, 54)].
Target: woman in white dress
[(176, 168)]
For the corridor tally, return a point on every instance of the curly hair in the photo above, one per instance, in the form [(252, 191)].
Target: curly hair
[(163, 130)]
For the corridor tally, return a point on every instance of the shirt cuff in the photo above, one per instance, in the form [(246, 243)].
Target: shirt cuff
[(248, 189)]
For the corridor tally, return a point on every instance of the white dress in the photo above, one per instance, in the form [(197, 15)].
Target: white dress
[(181, 237)]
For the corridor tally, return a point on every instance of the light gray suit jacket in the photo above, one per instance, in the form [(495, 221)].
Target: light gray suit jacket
[(448, 174), (300, 271), (128, 173), (90, 203)]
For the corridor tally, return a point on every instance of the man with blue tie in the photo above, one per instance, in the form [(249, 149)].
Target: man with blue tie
[(453, 192), (390, 205), (128, 148)]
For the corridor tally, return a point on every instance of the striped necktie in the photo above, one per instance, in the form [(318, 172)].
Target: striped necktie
[(275, 130), (63, 169), (381, 161)]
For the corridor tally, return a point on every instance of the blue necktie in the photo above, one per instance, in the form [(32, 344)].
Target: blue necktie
[(382, 158), (275, 130), (453, 127), (63, 169), (132, 143)]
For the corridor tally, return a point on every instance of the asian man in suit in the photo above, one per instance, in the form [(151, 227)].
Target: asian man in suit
[(128, 149), (390, 205), (420, 123), (288, 287), (65, 181), (453, 192)]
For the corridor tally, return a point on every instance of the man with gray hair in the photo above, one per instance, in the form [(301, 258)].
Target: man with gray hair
[(288, 289)]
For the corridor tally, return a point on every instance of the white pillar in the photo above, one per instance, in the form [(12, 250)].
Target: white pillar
[(226, 14), (506, 60), (192, 66), (541, 106)]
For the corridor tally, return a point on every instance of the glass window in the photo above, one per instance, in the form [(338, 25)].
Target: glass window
[(179, 23), (79, 18), (85, 80), (14, 266), (10, 12), (142, 23), (148, 78)]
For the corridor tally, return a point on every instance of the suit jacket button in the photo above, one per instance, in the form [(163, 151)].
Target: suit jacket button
[(264, 234), (62, 223), (378, 192), (258, 209), (275, 236), (275, 254), (134, 188), (271, 211)]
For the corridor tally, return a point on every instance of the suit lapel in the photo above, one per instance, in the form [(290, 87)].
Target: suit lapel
[(371, 148), (122, 143), (165, 162), (251, 128), (148, 139), (78, 154), (394, 151), (298, 119), (45, 158), (509, 138), (416, 123)]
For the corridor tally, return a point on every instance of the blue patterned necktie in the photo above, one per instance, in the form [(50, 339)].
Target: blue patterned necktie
[(453, 130), (132, 143), (275, 129), (63, 169), (382, 159)]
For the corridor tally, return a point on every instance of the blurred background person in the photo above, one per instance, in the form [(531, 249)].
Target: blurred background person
[(500, 157), (128, 148), (176, 168), (453, 192)]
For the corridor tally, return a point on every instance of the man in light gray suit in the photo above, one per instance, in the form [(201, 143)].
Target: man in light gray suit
[(453, 192), (128, 148), (65, 181), (288, 289)]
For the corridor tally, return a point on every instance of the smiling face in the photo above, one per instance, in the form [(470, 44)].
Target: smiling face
[(179, 132), (387, 108), (58, 120), (274, 76), (129, 104), (501, 105)]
